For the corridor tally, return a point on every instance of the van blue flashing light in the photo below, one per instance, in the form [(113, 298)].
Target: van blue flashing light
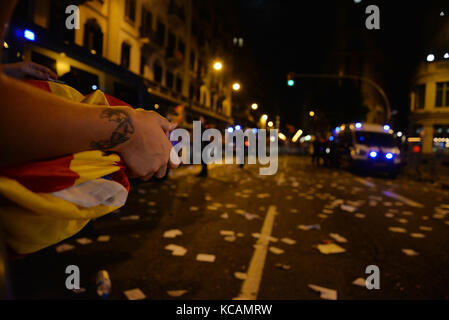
[(386, 127), (331, 138), (237, 127), (29, 35), (373, 154), (389, 156), (230, 130), (358, 125), (337, 129)]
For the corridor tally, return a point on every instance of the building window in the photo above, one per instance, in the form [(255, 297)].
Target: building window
[(130, 10), (146, 23), (192, 61), (160, 33), (181, 47), (157, 69), (420, 92), (93, 37), (171, 44), (178, 84), (442, 97), (169, 80), (126, 52), (143, 61)]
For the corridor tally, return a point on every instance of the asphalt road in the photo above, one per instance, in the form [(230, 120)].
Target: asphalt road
[(247, 204)]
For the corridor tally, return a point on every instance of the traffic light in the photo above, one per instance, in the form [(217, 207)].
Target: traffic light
[(290, 80)]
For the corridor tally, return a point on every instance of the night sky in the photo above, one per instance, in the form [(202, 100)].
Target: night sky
[(297, 36)]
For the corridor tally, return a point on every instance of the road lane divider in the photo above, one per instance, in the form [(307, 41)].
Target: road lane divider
[(250, 287), (403, 199), (365, 182)]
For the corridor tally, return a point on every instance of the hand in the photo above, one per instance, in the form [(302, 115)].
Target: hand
[(148, 150), (28, 69)]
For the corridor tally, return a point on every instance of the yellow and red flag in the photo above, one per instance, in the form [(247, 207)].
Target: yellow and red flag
[(49, 201)]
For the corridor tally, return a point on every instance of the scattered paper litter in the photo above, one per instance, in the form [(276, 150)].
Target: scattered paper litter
[(270, 238), (151, 203), (224, 216), (283, 266), (172, 233), (276, 250), (348, 208), (230, 206), (397, 229), (134, 294), (227, 233), (240, 275), (294, 210), (193, 208), (338, 238), (328, 211), (83, 241), (263, 195), (389, 215), (425, 228), (309, 227), (240, 235), (288, 241), (417, 235), (388, 204), (203, 257), (410, 252), (132, 217), (360, 215), (330, 248), (230, 238), (325, 293), (407, 213), (212, 208), (64, 247), (403, 220), (176, 250), (103, 238), (322, 216), (359, 282), (176, 293), (251, 216)]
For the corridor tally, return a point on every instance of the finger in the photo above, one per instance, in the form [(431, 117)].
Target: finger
[(161, 172), (147, 177), (44, 70), (175, 160)]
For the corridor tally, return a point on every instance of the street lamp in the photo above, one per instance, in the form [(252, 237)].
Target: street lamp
[(312, 113), (270, 124), (236, 86), (218, 65), (254, 106), (264, 117)]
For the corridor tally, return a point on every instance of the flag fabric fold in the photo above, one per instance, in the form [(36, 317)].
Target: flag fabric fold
[(45, 202)]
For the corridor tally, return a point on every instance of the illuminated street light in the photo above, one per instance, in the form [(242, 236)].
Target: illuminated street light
[(312, 113), (446, 56), (297, 135), (254, 106), (236, 86), (270, 124), (430, 58), (264, 117), (218, 66)]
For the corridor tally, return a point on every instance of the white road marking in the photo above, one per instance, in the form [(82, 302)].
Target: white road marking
[(365, 182), (403, 199), (250, 287)]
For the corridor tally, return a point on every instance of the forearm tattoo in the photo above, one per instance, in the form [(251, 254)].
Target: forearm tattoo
[(120, 134)]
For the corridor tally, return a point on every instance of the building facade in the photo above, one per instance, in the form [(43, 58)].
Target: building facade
[(429, 119), (155, 54)]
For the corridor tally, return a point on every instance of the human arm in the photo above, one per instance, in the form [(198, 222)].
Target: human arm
[(36, 125)]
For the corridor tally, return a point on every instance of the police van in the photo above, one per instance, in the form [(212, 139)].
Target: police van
[(367, 146)]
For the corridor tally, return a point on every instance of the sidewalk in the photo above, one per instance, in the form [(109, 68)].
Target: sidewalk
[(428, 168)]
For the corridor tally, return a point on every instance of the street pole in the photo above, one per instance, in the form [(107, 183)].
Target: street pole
[(353, 77)]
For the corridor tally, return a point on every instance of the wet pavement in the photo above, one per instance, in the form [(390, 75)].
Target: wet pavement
[(237, 234)]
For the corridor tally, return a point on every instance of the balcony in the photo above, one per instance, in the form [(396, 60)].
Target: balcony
[(176, 15), (176, 60), (149, 38)]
